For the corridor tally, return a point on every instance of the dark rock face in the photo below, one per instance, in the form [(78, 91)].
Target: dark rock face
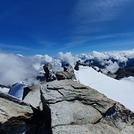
[(124, 72), (40, 123)]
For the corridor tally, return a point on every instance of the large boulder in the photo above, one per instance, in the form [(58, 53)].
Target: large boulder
[(13, 114), (77, 109), (61, 75), (18, 117)]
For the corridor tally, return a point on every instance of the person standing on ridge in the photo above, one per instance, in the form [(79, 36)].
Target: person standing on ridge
[(77, 65), (49, 74)]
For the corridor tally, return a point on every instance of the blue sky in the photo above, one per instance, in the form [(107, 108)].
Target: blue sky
[(31, 27)]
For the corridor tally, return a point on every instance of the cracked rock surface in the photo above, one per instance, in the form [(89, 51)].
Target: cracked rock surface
[(13, 114), (77, 109)]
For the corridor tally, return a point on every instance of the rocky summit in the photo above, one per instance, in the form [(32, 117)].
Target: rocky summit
[(66, 107)]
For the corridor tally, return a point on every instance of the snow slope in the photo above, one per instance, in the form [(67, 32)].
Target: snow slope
[(4, 90), (118, 90)]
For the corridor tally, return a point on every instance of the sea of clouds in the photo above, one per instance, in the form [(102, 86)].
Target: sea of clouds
[(15, 68)]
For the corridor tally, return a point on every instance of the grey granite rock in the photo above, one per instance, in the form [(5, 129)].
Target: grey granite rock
[(76, 108), (13, 113)]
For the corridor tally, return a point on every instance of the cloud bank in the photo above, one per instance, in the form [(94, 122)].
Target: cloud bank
[(16, 68)]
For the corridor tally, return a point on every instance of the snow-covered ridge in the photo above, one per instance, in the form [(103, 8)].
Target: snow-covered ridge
[(118, 90), (109, 62)]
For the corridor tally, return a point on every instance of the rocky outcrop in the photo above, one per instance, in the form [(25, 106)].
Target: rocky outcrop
[(61, 75), (17, 117), (13, 114), (124, 72), (64, 107), (77, 109)]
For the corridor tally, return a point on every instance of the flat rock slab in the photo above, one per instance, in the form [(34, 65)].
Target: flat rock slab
[(78, 109), (13, 112)]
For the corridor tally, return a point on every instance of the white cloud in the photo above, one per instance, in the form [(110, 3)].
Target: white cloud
[(15, 47), (89, 11), (16, 68), (112, 67), (99, 56), (109, 60), (86, 41), (92, 16), (67, 57)]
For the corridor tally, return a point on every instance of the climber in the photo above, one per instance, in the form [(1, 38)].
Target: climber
[(77, 65), (111, 111), (67, 73), (68, 67), (49, 74)]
